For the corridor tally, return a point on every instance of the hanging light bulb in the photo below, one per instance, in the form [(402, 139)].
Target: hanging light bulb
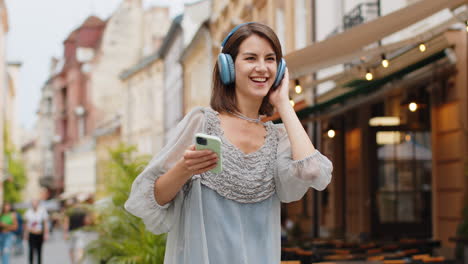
[(413, 106), (385, 62), (331, 133), (407, 137), (292, 102), (422, 47), (298, 87), (369, 75)]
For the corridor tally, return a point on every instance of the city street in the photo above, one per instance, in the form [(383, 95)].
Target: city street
[(54, 251), (340, 124)]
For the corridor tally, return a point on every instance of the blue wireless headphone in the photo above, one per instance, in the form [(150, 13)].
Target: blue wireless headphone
[(226, 64)]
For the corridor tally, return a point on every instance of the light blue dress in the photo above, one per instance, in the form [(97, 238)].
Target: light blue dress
[(234, 216)]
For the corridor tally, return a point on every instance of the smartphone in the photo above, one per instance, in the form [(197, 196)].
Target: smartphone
[(213, 143)]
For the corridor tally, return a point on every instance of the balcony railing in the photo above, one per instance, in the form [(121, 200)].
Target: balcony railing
[(362, 13)]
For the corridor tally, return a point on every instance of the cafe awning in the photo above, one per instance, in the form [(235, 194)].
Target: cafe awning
[(361, 87), (349, 46), (343, 47)]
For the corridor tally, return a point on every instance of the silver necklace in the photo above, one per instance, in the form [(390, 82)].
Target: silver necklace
[(254, 120)]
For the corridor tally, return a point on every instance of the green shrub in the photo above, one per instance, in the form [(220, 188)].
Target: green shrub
[(15, 179), (122, 237)]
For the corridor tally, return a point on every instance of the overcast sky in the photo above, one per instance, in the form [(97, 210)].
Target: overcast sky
[(37, 30)]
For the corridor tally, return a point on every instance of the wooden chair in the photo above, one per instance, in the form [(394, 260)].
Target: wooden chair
[(394, 261), (390, 247), (375, 258), (305, 256), (341, 251), (434, 260), (339, 257), (374, 251), (368, 245), (411, 251), (289, 253), (420, 257)]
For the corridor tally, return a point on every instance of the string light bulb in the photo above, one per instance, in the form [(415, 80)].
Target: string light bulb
[(413, 106), (292, 102), (369, 75), (298, 87), (331, 133), (385, 62), (408, 138), (422, 47)]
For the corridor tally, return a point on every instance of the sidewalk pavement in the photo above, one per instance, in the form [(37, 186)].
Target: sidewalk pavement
[(54, 251)]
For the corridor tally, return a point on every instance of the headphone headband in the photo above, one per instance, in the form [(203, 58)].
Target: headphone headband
[(232, 32)]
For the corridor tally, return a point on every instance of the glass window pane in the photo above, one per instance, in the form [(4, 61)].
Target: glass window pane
[(386, 202), (387, 176), (405, 176), (406, 207)]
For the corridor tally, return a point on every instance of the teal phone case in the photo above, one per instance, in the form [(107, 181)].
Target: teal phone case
[(213, 143)]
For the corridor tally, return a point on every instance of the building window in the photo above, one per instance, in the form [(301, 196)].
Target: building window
[(49, 105), (280, 27), (301, 24), (64, 98), (403, 182), (64, 129), (81, 126)]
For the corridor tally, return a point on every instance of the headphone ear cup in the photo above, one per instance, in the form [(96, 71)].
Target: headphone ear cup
[(226, 68), (280, 73)]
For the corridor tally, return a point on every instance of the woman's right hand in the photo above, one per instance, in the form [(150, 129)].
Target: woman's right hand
[(198, 161), (192, 162)]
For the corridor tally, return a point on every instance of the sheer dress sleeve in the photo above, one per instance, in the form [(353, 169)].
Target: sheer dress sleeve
[(294, 177), (141, 202)]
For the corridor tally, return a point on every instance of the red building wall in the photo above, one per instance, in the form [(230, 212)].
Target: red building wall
[(70, 87)]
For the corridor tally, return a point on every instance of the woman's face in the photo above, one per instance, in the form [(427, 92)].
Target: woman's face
[(255, 67), (6, 207)]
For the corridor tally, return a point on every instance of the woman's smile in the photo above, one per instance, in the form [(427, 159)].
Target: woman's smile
[(259, 81)]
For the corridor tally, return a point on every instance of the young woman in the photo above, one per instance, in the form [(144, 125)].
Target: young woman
[(232, 216), (8, 224)]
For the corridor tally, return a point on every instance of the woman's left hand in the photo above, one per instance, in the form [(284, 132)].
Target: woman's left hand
[(280, 96)]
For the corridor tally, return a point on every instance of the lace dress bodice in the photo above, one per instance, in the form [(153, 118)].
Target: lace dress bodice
[(246, 178)]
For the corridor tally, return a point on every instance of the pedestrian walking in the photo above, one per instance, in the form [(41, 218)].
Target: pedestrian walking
[(75, 219), (36, 230), (232, 214), (8, 224), (18, 248)]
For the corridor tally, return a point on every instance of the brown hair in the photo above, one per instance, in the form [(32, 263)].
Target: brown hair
[(223, 97)]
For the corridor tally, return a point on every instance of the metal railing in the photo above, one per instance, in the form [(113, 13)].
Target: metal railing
[(361, 13)]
